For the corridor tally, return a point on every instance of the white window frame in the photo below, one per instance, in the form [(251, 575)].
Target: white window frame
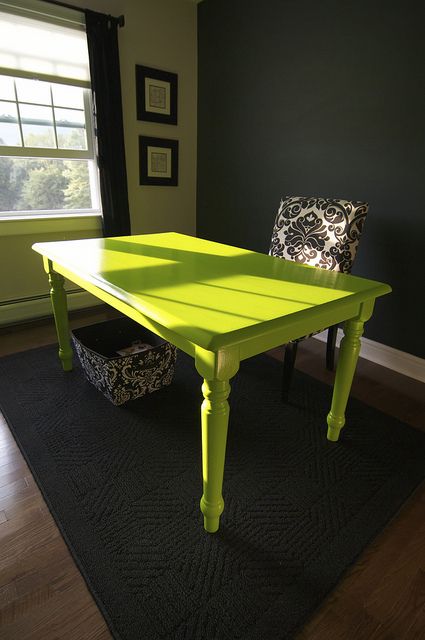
[(33, 8)]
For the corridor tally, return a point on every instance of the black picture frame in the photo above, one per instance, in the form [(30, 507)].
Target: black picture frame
[(156, 95), (158, 161)]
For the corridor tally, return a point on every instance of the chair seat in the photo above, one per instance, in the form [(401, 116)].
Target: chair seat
[(309, 335)]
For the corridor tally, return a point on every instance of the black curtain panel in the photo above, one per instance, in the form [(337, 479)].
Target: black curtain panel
[(102, 39)]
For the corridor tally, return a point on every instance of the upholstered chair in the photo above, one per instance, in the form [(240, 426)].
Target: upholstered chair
[(322, 232)]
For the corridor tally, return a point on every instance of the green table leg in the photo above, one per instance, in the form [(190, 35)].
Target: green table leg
[(348, 356), (214, 419), (60, 312), (216, 368)]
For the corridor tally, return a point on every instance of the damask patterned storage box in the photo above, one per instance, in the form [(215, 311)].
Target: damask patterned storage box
[(123, 359)]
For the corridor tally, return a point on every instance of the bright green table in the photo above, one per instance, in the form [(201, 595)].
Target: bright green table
[(220, 304)]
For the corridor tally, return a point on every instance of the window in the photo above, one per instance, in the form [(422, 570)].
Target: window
[(47, 146)]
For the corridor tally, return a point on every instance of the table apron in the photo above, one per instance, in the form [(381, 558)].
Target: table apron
[(279, 336)]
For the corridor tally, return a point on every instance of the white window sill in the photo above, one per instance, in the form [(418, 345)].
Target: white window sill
[(15, 225)]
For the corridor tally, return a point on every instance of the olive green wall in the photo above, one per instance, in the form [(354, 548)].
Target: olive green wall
[(157, 33), (160, 34), (28, 279)]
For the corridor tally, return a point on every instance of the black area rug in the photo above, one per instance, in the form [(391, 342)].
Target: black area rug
[(124, 484)]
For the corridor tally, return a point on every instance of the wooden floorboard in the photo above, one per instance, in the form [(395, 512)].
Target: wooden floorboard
[(44, 597)]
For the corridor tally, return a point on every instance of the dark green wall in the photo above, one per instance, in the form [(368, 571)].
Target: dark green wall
[(300, 97)]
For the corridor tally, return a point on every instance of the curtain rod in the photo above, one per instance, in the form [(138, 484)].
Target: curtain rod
[(120, 19)]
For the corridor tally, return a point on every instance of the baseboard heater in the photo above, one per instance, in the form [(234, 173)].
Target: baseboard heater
[(32, 307)]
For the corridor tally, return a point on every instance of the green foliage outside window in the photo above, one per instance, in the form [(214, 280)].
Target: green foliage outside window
[(39, 184), (28, 184)]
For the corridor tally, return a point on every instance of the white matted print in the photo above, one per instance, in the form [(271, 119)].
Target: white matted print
[(159, 162), (157, 96)]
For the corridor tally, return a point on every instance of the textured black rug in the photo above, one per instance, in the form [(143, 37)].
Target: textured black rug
[(124, 484)]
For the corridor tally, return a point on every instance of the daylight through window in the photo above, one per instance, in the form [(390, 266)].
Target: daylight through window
[(47, 158)]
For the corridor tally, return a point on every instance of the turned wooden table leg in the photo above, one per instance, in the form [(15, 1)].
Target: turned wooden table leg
[(216, 368), (347, 360), (60, 313), (214, 419)]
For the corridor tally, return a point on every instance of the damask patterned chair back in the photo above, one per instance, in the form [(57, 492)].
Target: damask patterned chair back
[(322, 232)]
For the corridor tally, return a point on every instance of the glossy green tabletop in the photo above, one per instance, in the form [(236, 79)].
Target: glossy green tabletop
[(210, 294)]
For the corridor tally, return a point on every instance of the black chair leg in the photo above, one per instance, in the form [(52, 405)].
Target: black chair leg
[(330, 347), (290, 354)]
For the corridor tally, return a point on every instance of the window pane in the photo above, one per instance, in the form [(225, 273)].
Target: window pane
[(31, 184), (65, 96), (70, 118), (9, 129), (71, 138), (7, 91), (33, 91), (37, 126), (70, 127)]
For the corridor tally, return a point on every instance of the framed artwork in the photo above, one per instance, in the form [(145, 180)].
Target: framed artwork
[(156, 95), (159, 160)]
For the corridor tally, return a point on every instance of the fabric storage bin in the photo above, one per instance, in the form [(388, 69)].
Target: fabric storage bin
[(123, 359)]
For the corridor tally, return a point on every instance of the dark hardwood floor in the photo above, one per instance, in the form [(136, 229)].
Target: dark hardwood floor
[(43, 596)]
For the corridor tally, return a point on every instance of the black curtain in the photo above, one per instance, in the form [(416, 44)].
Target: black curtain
[(102, 39)]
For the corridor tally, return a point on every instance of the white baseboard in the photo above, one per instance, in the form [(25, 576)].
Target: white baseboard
[(40, 306), (400, 361)]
